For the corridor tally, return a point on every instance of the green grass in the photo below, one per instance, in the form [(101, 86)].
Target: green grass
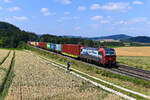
[(138, 62), (105, 75)]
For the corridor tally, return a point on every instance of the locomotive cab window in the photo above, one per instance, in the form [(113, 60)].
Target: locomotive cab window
[(100, 53)]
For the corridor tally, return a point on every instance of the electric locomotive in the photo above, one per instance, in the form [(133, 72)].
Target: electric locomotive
[(104, 56)]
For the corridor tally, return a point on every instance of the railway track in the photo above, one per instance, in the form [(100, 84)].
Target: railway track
[(131, 71), (119, 69)]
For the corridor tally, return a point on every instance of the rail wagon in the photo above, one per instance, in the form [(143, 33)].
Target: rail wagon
[(48, 46), (58, 47), (53, 46), (43, 45), (71, 50), (32, 43)]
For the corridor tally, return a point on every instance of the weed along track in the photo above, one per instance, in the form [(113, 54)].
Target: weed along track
[(6, 81)]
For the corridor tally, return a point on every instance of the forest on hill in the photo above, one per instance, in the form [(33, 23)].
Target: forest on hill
[(11, 36)]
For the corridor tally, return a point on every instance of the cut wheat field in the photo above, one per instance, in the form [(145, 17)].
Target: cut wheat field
[(4, 68), (3, 53), (133, 51), (36, 80)]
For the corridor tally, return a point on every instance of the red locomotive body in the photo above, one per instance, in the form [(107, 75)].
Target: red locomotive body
[(108, 56)]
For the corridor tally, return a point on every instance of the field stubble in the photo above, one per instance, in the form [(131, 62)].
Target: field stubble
[(36, 79), (133, 51), (3, 53), (4, 67)]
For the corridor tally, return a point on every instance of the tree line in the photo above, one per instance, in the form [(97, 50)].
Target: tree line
[(12, 37)]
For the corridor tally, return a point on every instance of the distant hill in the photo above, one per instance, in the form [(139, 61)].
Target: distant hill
[(70, 36), (114, 37), (140, 39), (11, 36)]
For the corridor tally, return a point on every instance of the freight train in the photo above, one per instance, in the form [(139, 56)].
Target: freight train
[(103, 56)]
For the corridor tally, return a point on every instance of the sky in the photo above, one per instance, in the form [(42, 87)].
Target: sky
[(87, 18)]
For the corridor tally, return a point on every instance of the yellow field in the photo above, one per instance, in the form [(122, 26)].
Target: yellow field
[(133, 51)]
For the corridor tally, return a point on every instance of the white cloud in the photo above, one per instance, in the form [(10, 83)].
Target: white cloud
[(148, 22), (96, 18), (46, 12), (81, 8), (118, 6), (14, 9), (139, 20), (1, 8), (68, 18), (132, 21), (78, 28), (104, 21), (95, 7), (137, 2), (66, 2), (22, 18), (7, 1), (122, 22), (101, 19), (66, 13)]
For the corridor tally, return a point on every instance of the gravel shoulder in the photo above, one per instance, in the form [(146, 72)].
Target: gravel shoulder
[(35, 79)]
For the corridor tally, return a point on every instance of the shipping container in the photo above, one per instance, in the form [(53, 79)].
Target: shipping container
[(48, 45), (36, 44), (53, 46), (71, 50), (32, 43), (58, 47), (43, 45)]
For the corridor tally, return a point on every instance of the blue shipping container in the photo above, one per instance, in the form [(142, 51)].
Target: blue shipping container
[(53, 46)]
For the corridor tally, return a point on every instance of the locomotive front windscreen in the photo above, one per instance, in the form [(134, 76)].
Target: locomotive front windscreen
[(109, 52)]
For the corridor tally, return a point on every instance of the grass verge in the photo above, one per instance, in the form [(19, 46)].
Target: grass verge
[(8, 79), (137, 62)]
